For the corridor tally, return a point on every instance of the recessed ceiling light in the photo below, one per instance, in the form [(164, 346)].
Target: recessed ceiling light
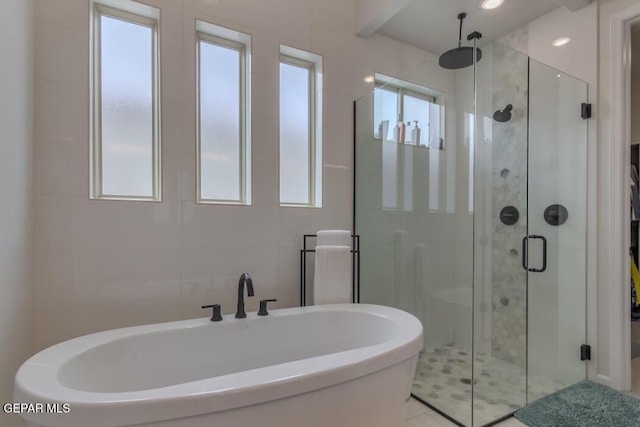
[(491, 4), (561, 41), (369, 79)]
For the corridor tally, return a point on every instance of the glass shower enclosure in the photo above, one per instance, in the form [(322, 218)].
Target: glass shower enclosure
[(470, 200)]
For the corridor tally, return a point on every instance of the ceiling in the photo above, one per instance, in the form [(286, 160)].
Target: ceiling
[(433, 25)]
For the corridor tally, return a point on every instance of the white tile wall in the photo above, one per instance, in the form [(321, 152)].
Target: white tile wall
[(16, 153), (105, 264), (578, 57)]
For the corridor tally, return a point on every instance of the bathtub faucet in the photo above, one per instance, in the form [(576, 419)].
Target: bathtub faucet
[(245, 278)]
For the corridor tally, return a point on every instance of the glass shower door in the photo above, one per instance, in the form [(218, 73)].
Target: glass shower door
[(530, 164), (557, 231)]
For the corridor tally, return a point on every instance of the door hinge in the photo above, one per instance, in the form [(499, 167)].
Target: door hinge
[(585, 111), (585, 352)]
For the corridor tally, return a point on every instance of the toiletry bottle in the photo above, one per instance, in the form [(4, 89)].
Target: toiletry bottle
[(383, 130), (415, 134), (402, 128)]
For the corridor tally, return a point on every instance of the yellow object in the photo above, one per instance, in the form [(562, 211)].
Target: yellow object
[(635, 278)]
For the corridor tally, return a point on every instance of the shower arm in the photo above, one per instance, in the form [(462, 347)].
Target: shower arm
[(461, 18)]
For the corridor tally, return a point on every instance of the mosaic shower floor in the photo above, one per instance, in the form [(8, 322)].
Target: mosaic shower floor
[(443, 380)]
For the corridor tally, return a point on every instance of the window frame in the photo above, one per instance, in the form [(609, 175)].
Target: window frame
[(244, 120), (313, 119), (401, 89), (241, 48), (99, 10), (400, 92)]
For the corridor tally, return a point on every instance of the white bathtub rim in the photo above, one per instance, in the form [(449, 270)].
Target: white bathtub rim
[(229, 391)]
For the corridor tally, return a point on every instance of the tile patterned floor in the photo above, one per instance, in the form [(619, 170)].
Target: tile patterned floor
[(419, 415), (444, 380)]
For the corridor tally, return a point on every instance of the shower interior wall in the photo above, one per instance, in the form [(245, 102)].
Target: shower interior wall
[(506, 149)]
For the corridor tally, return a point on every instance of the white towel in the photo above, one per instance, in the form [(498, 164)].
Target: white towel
[(332, 283), (333, 238)]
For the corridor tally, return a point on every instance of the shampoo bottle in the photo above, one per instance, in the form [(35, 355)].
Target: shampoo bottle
[(415, 134), (383, 130), (402, 128)]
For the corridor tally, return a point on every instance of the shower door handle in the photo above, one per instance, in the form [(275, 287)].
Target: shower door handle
[(544, 254), (525, 250)]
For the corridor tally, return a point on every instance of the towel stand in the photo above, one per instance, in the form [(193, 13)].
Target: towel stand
[(355, 271)]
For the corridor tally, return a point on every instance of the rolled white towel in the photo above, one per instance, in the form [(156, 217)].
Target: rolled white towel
[(332, 282), (334, 238)]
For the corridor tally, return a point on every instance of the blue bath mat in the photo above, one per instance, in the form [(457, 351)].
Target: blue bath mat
[(585, 404)]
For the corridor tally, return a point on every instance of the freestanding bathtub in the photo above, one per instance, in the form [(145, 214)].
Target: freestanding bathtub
[(332, 365)]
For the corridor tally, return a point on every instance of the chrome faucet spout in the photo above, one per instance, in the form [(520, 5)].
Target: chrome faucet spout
[(245, 278)]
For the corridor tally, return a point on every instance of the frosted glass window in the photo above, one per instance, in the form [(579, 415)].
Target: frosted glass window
[(220, 148), (385, 109), (296, 155), (407, 103), (125, 130), (397, 101)]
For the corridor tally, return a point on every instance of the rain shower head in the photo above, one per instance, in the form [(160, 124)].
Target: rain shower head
[(461, 56), (504, 115)]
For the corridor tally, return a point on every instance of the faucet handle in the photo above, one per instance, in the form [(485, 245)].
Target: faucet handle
[(215, 316), (263, 307)]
